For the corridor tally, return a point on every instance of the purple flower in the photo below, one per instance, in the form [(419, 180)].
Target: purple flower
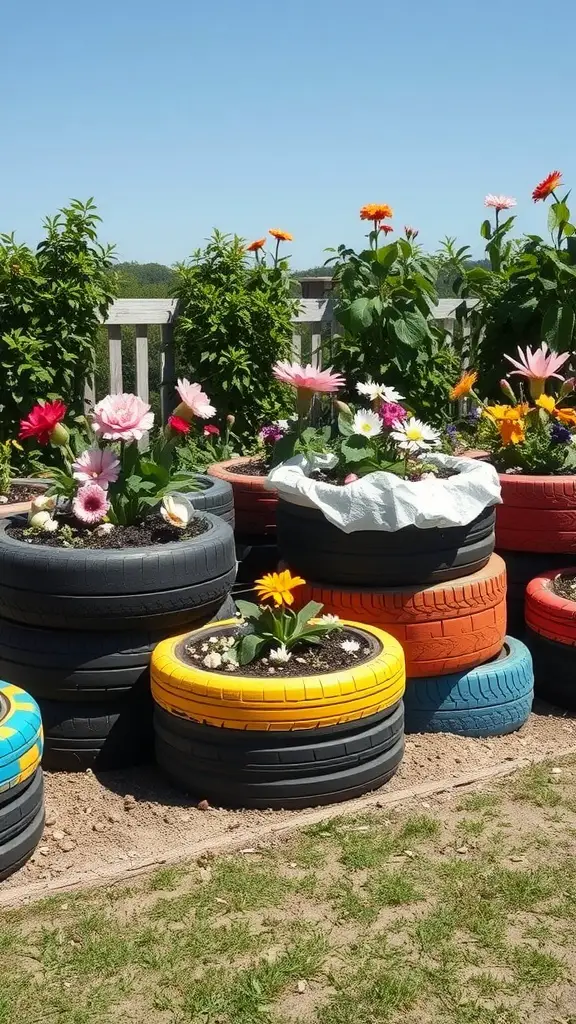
[(452, 432), (560, 434), (270, 434), (474, 414), (389, 412)]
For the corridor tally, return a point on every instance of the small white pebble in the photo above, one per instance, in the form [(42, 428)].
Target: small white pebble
[(462, 849), (271, 671), (556, 771), (302, 986)]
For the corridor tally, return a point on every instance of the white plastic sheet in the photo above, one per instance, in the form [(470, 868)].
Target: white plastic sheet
[(383, 501)]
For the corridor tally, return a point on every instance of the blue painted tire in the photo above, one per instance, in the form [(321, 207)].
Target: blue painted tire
[(491, 700), (21, 737)]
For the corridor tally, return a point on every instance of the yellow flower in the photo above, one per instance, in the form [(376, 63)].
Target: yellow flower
[(497, 413), (546, 402), (464, 385), (278, 586), (511, 431)]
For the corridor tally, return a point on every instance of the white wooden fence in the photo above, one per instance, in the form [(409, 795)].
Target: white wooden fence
[(317, 314)]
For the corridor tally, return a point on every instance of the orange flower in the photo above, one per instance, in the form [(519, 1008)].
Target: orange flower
[(376, 211), (255, 246), (282, 236), (386, 228), (546, 187), (567, 416), (464, 385), (511, 431)]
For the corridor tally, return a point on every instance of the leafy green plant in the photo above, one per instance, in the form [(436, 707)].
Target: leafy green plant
[(235, 322), (209, 445), (6, 452), (384, 299), (49, 315)]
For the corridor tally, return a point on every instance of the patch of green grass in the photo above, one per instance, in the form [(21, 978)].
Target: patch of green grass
[(479, 802), (417, 828), (166, 878), (534, 968), (471, 1012), (536, 786), (471, 827), (376, 991)]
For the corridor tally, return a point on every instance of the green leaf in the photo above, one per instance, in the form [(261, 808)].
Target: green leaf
[(248, 647), (486, 229), (566, 327), (356, 449), (309, 611), (360, 312), (411, 328), (248, 609), (558, 213), (550, 322), (284, 449)]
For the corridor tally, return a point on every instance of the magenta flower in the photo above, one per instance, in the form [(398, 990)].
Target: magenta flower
[(194, 402), (98, 466), (308, 378), (270, 434), (90, 504), (537, 366), (122, 418), (389, 412), (499, 202)]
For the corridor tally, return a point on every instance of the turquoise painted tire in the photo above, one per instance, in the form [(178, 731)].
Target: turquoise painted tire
[(21, 737)]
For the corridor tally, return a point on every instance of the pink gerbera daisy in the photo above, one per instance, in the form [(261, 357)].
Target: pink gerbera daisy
[(90, 504), (308, 378), (194, 401), (97, 466), (499, 202)]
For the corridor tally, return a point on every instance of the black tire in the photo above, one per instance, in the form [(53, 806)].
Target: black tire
[(554, 670), (521, 567), (84, 665), (217, 497), (159, 587), (255, 559), (113, 735), (317, 550), (18, 850), (279, 769)]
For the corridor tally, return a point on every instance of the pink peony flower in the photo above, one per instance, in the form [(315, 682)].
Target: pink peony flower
[(308, 378), (389, 412), (98, 466), (122, 418), (499, 202), (90, 504), (194, 402)]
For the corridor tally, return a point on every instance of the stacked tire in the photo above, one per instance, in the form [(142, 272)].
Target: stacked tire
[(551, 636), (78, 626), (442, 595), (21, 782), (248, 741)]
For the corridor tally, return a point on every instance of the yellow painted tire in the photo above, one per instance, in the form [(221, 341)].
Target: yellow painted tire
[(21, 737), (297, 702)]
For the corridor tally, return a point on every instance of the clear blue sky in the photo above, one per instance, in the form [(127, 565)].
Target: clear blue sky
[(181, 115)]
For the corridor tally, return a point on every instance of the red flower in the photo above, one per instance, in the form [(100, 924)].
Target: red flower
[(386, 228), (546, 187), (211, 431), (42, 420), (178, 424)]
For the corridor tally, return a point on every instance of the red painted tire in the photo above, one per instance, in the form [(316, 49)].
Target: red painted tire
[(548, 614), (449, 627), (254, 506), (538, 514)]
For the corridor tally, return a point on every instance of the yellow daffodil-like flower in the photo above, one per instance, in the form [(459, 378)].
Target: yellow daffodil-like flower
[(278, 587), (464, 385), (546, 402), (497, 413)]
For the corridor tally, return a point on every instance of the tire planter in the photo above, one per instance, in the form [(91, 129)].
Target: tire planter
[(22, 506), (521, 567), (319, 551), (490, 700), (298, 768), (232, 701), (444, 628), (20, 736), (88, 667), (21, 824), (547, 613), (554, 675), (538, 514), (255, 507), (216, 497)]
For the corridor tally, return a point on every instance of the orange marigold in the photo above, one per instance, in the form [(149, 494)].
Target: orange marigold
[(255, 246), (511, 431), (376, 211), (282, 236), (566, 416), (464, 385), (546, 187)]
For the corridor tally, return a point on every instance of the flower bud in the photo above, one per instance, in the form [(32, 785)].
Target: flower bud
[(43, 503), (507, 390), (60, 435), (567, 387), (342, 408), (230, 420)]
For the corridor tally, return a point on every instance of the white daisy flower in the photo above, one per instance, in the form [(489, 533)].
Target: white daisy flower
[(329, 619), (367, 423), (412, 435), (281, 655), (373, 391), (350, 646), (212, 660)]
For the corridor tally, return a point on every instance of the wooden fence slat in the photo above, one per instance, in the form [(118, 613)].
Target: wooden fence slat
[(115, 351), (89, 394), (296, 347), (142, 385), (316, 353), (167, 373)]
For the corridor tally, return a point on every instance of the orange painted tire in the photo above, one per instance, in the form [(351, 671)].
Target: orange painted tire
[(254, 505), (449, 627), (538, 514), (548, 614)]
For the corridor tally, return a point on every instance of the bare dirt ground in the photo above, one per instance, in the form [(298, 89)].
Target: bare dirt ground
[(113, 824)]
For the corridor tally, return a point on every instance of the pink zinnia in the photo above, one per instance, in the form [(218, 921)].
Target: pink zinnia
[(211, 430), (98, 466), (90, 504), (537, 366), (499, 202), (122, 418), (308, 378), (390, 412), (179, 425), (194, 402)]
